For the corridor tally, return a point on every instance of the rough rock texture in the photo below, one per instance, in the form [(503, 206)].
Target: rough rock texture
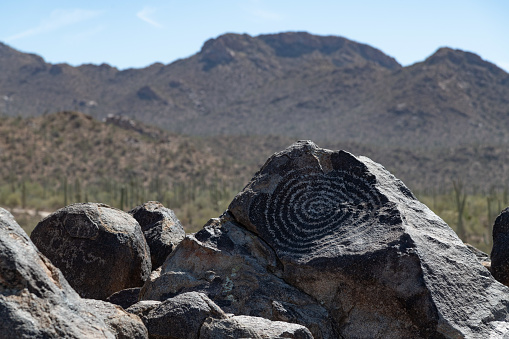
[(143, 308), (352, 236), (179, 317), (500, 250), (35, 299), (100, 250), (251, 327), (125, 298), (240, 273), (161, 228), (125, 325), (481, 256)]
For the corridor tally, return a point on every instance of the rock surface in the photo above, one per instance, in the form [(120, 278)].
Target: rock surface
[(240, 273), (161, 228), (35, 299), (251, 327), (500, 250), (179, 317), (100, 250), (125, 298), (125, 325), (351, 235)]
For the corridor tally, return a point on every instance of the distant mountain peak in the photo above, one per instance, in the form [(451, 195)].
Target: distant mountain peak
[(460, 58), (222, 50)]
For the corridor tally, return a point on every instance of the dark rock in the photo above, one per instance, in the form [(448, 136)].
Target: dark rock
[(240, 273), (125, 325), (500, 250), (146, 93), (143, 308), (179, 317), (352, 236), (125, 298), (251, 327), (161, 228), (35, 299), (100, 250)]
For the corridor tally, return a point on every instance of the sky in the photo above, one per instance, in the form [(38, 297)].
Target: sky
[(135, 34)]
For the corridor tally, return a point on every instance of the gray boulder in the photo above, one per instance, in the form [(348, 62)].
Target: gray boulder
[(352, 236), (161, 228), (243, 326), (125, 325), (500, 250), (180, 317), (99, 249), (35, 299)]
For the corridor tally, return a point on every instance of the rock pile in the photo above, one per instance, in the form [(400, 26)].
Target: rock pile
[(319, 244)]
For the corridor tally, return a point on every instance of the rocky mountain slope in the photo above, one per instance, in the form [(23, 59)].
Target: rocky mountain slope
[(296, 85)]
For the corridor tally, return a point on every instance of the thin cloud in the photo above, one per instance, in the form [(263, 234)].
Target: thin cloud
[(58, 19), (145, 14)]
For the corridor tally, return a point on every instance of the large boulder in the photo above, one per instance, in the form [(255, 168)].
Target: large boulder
[(100, 249), (352, 236), (35, 299), (500, 250), (161, 228)]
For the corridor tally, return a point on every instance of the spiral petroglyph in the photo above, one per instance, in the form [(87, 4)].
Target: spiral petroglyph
[(316, 210), (307, 202)]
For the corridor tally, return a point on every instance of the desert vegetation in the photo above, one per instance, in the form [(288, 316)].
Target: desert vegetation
[(62, 158)]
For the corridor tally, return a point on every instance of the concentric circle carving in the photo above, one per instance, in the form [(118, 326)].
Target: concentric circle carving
[(311, 210)]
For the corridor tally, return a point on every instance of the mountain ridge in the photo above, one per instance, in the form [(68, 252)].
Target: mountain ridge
[(295, 84)]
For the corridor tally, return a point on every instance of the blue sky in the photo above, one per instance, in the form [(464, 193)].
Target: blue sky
[(128, 34)]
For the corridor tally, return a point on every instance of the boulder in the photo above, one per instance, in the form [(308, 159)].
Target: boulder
[(36, 301), (243, 326), (352, 236), (125, 325), (161, 229), (99, 249), (125, 298), (500, 250), (180, 317), (240, 273)]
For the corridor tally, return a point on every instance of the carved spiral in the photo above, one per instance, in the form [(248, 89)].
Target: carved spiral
[(312, 210)]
